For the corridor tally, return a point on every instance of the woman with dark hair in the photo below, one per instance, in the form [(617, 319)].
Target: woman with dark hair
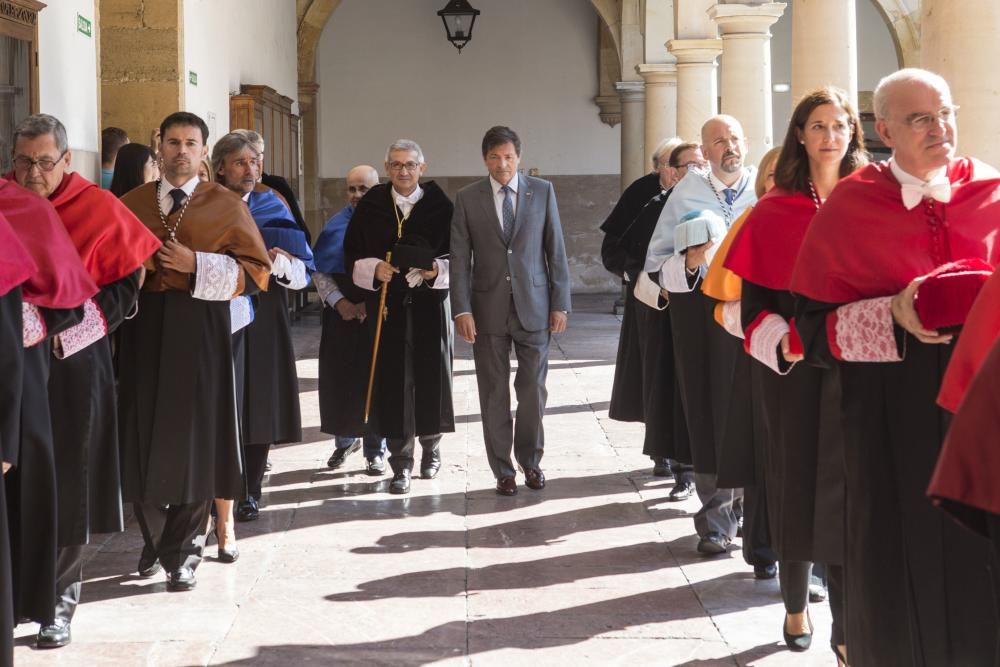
[(804, 469), (135, 165)]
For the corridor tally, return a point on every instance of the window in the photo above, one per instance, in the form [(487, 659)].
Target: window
[(18, 69)]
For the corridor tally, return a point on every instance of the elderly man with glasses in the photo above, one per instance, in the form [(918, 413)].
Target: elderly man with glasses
[(881, 299), (410, 373)]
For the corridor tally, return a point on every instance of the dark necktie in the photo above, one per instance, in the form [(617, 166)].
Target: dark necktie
[(730, 195), (178, 196), (508, 214)]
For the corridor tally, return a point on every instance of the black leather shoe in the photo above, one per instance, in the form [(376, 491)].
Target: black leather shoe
[(817, 592), (181, 579), (229, 555), (797, 643), (339, 456), (765, 571), (247, 510), (682, 490), (534, 479), (149, 564), (713, 544), (506, 486), (430, 462), (56, 635), (376, 466), (400, 482), (661, 467), (739, 526)]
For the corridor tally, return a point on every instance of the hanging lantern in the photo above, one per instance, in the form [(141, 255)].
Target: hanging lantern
[(459, 17)]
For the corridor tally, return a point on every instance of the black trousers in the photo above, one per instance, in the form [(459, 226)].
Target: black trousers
[(256, 461), (175, 532), (69, 581), (401, 450)]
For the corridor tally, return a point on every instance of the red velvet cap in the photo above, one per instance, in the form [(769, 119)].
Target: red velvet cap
[(945, 297)]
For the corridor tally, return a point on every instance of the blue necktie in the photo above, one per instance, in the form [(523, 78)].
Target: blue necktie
[(730, 195), (508, 214)]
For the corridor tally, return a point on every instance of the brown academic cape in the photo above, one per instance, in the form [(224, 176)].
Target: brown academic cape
[(177, 406), (917, 585)]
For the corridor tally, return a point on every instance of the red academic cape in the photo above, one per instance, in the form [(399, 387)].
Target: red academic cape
[(61, 280), (16, 264), (967, 473), (981, 330), (849, 252), (111, 241)]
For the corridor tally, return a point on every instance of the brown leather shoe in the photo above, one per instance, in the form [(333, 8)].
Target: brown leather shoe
[(534, 479), (506, 486)]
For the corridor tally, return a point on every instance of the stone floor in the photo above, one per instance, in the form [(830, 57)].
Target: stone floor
[(596, 569)]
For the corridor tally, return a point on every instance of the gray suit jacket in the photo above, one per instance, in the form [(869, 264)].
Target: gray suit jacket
[(485, 272)]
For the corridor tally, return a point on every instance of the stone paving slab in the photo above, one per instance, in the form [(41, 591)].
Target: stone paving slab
[(599, 568)]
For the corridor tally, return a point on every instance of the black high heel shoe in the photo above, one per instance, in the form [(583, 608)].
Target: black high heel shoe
[(841, 660), (797, 643)]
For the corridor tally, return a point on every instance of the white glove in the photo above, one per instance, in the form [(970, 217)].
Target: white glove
[(414, 278), (280, 266)]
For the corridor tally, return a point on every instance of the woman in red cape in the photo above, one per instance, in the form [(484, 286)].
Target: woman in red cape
[(804, 457)]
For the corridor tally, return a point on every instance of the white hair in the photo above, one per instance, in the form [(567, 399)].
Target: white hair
[(664, 149), (404, 145), (880, 99)]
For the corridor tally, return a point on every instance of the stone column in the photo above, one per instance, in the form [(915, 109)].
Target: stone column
[(697, 91), (142, 72), (661, 103), (959, 42), (746, 69), (633, 144), (312, 200), (824, 47)]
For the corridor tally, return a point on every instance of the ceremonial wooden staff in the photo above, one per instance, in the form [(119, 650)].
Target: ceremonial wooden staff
[(378, 336)]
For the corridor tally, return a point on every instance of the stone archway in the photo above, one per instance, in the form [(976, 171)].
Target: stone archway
[(902, 18), (313, 16)]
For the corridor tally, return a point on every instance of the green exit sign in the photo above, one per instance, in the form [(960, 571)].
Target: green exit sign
[(84, 26), (193, 78)]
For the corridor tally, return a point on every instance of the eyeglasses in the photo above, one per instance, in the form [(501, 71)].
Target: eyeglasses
[(922, 122), (400, 166), (24, 163)]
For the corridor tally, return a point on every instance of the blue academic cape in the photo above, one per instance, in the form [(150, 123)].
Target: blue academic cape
[(329, 246)]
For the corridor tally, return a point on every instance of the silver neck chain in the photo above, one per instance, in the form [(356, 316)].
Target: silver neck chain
[(727, 209), (815, 195)]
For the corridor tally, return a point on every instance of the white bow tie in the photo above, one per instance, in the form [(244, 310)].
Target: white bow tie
[(937, 188)]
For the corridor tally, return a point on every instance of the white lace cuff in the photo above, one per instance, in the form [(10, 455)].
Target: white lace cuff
[(764, 339), (93, 328), (443, 279), (240, 313), (648, 292), (673, 275), (33, 328), (364, 273), (863, 331), (293, 273), (732, 319), (216, 277)]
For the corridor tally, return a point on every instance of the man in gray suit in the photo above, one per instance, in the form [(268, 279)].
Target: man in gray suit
[(509, 284)]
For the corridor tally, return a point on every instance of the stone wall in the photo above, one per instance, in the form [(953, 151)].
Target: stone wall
[(584, 203)]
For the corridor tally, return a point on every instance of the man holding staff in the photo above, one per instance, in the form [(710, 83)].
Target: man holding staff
[(410, 383)]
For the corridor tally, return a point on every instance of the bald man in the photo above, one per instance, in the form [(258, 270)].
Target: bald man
[(713, 372), (345, 347)]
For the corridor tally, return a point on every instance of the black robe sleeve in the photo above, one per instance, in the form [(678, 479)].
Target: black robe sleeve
[(12, 370), (58, 320), (117, 300)]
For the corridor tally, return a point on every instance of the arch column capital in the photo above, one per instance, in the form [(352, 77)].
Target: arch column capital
[(308, 91), (657, 74), (695, 51), (738, 19), (631, 91)]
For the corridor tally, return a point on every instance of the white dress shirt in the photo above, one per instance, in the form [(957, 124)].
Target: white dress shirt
[(407, 202), (166, 201), (498, 196)]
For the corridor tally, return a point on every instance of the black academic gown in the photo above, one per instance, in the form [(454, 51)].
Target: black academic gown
[(271, 413), (715, 384), (803, 455), (178, 347), (345, 351), (929, 604), (281, 186), (413, 376), (12, 370), (31, 484), (83, 401), (627, 403), (652, 347)]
